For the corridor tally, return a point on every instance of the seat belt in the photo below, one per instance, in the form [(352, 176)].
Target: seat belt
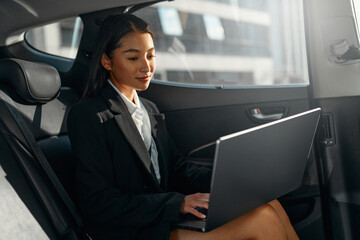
[(31, 142)]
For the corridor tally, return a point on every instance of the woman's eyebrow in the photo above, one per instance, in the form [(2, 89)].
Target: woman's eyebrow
[(131, 50)]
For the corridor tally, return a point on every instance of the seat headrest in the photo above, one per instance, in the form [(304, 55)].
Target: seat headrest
[(33, 82)]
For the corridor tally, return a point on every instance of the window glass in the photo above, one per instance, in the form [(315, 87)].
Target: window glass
[(229, 42), (60, 38), (170, 21), (214, 28), (257, 4)]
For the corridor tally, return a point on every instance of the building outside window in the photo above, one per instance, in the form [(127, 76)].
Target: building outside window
[(241, 43)]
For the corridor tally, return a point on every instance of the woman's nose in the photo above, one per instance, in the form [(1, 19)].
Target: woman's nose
[(145, 66)]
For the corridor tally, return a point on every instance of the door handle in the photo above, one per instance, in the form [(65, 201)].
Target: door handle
[(257, 114)]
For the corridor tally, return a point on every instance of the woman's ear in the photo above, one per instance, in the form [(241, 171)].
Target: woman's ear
[(106, 62)]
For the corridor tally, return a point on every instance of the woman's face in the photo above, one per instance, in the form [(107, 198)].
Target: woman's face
[(133, 64)]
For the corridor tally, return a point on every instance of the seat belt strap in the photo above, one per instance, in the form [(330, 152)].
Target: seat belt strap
[(31, 142)]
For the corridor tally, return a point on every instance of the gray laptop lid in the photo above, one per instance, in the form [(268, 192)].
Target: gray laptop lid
[(255, 166)]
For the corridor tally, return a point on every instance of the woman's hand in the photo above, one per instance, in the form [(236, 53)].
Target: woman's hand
[(195, 200)]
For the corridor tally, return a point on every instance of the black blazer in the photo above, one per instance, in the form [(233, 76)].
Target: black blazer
[(118, 192)]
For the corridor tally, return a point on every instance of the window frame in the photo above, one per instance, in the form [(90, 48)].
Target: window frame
[(45, 53)]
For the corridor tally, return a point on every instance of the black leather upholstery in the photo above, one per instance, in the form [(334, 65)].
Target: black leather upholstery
[(35, 83), (35, 90)]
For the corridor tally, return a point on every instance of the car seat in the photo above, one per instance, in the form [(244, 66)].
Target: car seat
[(33, 146)]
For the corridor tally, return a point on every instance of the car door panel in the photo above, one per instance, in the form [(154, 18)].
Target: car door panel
[(198, 116)]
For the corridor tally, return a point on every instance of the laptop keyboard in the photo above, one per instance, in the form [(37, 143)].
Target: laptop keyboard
[(189, 216), (202, 210)]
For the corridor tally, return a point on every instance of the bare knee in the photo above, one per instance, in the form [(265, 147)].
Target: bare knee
[(270, 226), (267, 212)]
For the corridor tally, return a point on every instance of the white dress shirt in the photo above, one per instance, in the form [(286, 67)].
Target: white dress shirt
[(142, 121)]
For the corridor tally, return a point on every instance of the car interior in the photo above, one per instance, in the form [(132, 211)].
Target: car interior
[(312, 45)]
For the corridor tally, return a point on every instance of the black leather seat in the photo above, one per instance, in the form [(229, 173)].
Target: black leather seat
[(36, 92)]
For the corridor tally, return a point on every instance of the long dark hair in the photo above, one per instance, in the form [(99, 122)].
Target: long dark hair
[(113, 29)]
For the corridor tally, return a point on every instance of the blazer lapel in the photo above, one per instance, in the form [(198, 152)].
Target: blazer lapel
[(154, 121), (127, 125)]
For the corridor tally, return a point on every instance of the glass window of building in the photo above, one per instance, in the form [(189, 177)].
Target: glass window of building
[(170, 21), (214, 28)]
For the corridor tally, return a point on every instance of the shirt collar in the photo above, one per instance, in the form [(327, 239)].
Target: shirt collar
[(132, 107)]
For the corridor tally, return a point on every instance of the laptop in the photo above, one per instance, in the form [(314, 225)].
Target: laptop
[(255, 166)]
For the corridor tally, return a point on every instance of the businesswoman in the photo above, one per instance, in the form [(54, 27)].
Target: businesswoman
[(128, 169)]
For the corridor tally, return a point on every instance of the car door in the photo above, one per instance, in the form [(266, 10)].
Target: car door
[(218, 74), (335, 73)]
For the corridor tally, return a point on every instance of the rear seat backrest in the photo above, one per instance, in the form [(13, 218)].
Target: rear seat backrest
[(47, 122), (44, 105), (35, 90)]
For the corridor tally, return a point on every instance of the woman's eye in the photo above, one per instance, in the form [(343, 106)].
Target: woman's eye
[(133, 59), (151, 56)]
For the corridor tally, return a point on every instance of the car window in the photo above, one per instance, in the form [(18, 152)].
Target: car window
[(60, 38), (229, 42)]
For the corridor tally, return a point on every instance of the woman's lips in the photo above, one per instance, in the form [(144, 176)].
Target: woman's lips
[(144, 79)]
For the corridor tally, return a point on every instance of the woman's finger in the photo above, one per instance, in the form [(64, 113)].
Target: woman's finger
[(202, 196), (196, 213)]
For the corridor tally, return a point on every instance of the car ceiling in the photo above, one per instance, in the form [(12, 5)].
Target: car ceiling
[(16, 16)]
